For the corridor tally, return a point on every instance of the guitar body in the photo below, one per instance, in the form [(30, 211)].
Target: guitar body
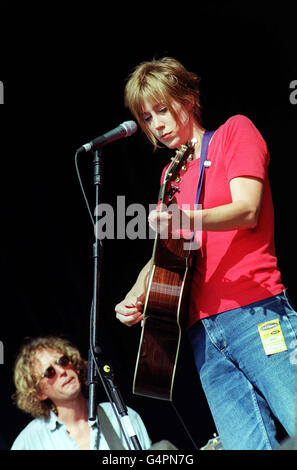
[(164, 317)]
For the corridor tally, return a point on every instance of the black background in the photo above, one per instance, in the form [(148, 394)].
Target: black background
[(64, 75)]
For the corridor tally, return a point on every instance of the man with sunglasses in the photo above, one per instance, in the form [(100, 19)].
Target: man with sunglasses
[(51, 385)]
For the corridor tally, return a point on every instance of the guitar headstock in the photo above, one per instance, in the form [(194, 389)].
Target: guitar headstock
[(178, 160), (173, 169)]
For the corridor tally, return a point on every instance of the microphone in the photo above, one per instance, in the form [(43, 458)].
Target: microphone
[(125, 129)]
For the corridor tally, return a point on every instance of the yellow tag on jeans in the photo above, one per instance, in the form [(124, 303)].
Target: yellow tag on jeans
[(272, 337)]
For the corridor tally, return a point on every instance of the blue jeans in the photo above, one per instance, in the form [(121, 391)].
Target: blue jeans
[(245, 388)]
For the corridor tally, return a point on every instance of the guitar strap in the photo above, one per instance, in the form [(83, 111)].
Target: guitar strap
[(203, 164), (204, 149), (113, 440), (111, 437)]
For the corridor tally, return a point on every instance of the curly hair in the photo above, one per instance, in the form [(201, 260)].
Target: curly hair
[(27, 382), (160, 81)]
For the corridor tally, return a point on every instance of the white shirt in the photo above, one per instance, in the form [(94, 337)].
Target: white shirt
[(51, 434)]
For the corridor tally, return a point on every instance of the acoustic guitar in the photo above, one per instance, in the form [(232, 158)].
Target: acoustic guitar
[(166, 302)]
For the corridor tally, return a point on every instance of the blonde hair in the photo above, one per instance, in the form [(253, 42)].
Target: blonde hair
[(160, 81), (27, 382)]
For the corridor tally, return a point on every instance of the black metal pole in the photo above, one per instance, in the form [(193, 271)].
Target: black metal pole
[(94, 350), (99, 369)]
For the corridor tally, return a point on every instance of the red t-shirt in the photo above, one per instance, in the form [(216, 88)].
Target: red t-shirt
[(237, 267)]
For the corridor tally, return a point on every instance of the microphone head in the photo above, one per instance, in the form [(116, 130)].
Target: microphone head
[(130, 127)]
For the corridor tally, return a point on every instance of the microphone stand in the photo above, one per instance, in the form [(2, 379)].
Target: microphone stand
[(99, 368)]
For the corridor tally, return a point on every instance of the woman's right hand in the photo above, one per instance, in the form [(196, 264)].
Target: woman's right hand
[(129, 311)]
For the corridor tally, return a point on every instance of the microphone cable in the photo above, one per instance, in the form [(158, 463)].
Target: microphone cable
[(82, 189)]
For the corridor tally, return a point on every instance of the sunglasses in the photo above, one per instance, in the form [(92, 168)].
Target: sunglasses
[(50, 372)]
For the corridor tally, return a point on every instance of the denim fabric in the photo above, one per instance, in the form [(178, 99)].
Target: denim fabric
[(245, 388)]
